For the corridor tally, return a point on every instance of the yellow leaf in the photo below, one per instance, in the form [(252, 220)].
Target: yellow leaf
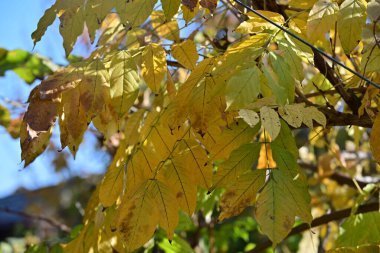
[(153, 66), (167, 207), (189, 11), (241, 193), (351, 20), (138, 216), (270, 121), (134, 12), (170, 8), (131, 130), (167, 29), (302, 4), (106, 121), (94, 88), (196, 99), (95, 13), (140, 168), (370, 61), (299, 23), (112, 184), (375, 139), (321, 19), (46, 20), (72, 120), (266, 158), (256, 24), (124, 82), (185, 53)]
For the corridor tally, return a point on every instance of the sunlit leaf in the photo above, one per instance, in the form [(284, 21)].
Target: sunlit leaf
[(170, 7), (351, 20), (185, 53), (321, 19), (154, 66)]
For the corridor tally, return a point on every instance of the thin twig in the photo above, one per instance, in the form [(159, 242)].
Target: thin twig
[(49, 221)]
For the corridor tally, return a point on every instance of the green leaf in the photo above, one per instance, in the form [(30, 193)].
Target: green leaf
[(351, 20), (243, 88), (359, 230), (282, 199), (5, 116), (285, 140), (285, 78), (175, 246), (135, 12), (170, 8), (293, 59), (221, 145)]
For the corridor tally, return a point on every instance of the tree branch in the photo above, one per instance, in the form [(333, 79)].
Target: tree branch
[(49, 221), (335, 118), (324, 219), (349, 97)]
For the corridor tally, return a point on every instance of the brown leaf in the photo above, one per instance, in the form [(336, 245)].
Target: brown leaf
[(61, 81), (191, 4), (37, 125), (209, 4)]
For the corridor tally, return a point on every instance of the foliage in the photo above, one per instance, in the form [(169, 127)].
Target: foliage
[(210, 108), (26, 65)]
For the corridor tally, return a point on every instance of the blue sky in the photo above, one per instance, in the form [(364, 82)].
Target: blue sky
[(18, 19)]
